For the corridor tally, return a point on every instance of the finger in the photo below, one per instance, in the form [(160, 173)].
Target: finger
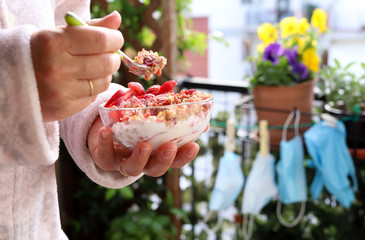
[(82, 89), (87, 40), (94, 66), (134, 165), (60, 108), (113, 21), (160, 162), (104, 154), (185, 154)]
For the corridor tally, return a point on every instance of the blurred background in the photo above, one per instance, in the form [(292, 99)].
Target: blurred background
[(207, 43)]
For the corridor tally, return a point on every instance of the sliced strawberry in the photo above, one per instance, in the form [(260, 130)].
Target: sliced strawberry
[(116, 95), (146, 96), (190, 91), (116, 102), (115, 116), (167, 86), (148, 61), (146, 77), (129, 94), (133, 102), (153, 89), (159, 72), (136, 87)]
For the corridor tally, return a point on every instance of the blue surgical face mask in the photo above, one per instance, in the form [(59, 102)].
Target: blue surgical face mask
[(228, 183), (291, 172), (326, 145), (260, 185), (259, 190)]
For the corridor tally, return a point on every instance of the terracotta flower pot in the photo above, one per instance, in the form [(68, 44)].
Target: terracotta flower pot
[(275, 103)]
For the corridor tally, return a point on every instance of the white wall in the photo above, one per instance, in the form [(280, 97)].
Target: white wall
[(227, 17)]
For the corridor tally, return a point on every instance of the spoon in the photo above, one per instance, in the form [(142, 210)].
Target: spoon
[(73, 20)]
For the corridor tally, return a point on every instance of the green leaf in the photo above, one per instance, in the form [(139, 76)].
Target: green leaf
[(126, 192), (110, 193)]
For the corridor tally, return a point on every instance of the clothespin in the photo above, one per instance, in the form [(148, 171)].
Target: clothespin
[(230, 135), (264, 138), (329, 120)]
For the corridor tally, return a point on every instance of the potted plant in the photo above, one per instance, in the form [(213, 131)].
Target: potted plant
[(287, 63), (344, 95)]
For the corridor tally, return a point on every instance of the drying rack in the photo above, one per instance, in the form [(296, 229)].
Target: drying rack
[(248, 125)]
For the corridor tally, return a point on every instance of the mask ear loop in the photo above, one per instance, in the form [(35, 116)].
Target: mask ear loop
[(296, 220), (247, 226), (279, 204), (214, 229)]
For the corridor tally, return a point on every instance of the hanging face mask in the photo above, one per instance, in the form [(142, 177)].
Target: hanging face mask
[(228, 183), (326, 144), (291, 172), (260, 185), (229, 180)]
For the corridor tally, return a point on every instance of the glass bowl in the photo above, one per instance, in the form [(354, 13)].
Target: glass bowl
[(179, 123)]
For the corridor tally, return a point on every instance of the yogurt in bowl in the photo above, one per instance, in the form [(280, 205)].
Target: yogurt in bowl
[(157, 116)]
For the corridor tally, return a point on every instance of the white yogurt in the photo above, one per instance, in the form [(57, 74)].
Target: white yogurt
[(134, 131)]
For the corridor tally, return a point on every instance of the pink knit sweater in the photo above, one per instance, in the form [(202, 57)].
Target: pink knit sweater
[(29, 147)]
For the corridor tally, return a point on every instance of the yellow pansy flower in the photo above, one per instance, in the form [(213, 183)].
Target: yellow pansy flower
[(303, 26), (311, 59), (267, 33), (289, 43), (319, 19), (288, 27), (302, 42), (261, 48)]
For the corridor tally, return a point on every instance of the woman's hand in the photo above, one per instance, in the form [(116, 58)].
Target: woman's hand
[(66, 58), (109, 155)]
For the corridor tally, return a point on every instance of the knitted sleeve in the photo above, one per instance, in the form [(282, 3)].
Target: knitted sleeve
[(74, 131), (24, 139)]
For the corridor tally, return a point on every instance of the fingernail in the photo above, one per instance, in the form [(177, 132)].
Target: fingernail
[(143, 152), (169, 153), (104, 134)]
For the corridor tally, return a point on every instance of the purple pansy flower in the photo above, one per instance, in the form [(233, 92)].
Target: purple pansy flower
[(273, 52), (291, 55), (300, 69)]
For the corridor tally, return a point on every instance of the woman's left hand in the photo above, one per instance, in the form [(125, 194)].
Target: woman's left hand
[(109, 155)]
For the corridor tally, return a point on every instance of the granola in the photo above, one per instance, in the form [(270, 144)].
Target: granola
[(151, 59)]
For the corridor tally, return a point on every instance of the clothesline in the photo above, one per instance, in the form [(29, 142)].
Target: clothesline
[(353, 118)]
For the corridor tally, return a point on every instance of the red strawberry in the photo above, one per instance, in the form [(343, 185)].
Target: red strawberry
[(146, 96), (116, 102), (115, 116), (148, 61), (129, 94), (190, 91), (167, 87), (137, 87), (153, 89), (116, 95)]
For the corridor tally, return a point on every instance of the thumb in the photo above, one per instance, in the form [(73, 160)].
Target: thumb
[(112, 20)]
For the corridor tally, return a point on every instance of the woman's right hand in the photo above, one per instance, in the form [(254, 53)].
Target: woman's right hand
[(66, 58)]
